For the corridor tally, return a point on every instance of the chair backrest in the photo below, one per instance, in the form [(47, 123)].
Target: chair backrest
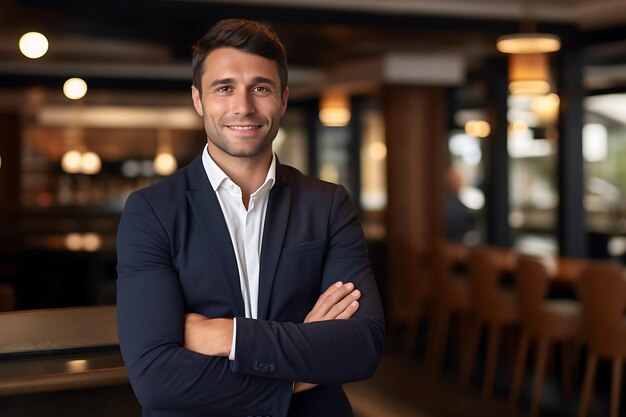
[(532, 281), (484, 274), (602, 290), (447, 256)]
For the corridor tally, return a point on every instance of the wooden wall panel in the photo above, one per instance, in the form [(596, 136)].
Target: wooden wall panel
[(416, 139)]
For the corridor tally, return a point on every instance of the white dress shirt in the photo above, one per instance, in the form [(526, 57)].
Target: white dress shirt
[(245, 228)]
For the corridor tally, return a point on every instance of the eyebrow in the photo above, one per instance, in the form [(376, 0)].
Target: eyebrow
[(256, 80)]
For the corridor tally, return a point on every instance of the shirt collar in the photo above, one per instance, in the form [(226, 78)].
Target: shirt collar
[(217, 176)]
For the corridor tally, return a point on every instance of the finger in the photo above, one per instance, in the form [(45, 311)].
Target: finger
[(328, 301), (349, 311), (319, 309), (337, 285), (341, 305)]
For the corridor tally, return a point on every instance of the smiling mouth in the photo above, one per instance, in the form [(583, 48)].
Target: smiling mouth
[(243, 128)]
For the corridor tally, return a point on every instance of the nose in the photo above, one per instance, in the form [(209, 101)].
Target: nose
[(243, 103)]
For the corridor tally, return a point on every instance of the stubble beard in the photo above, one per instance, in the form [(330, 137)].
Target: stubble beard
[(219, 142)]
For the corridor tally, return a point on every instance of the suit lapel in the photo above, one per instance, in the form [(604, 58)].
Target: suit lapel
[(276, 219), (206, 209)]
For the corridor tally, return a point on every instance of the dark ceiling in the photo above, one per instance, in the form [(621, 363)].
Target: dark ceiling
[(314, 38)]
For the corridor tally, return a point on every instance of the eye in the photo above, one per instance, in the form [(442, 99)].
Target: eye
[(224, 89), (261, 89)]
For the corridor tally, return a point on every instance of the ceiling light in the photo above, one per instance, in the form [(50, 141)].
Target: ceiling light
[(75, 88), (33, 45), (529, 74), (70, 162), (165, 164), (528, 43), (90, 163), (335, 109)]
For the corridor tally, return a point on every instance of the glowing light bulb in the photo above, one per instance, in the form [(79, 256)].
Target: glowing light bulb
[(75, 88), (477, 128), (165, 163), (33, 45), (90, 163), (71, 162)]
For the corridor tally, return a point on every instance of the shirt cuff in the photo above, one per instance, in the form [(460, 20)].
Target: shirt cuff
[(231, 355)]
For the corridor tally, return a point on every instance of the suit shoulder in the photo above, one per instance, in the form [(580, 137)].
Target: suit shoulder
[(166, 191), (307, 182)]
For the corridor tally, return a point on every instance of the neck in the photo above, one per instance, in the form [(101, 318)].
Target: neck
[(248, 173)]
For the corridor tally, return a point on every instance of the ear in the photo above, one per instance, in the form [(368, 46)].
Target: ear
[(283, 104), (197, 100)]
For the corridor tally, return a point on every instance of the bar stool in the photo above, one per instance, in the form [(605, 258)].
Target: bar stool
[(451, 294), (493, 307), (543, 321), (602, 290)]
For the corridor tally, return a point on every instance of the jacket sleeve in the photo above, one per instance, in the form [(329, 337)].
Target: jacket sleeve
[(150, 316), (326, 352)]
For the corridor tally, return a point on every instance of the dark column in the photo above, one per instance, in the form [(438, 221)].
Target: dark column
[(571, 230), (312, 127), (10, 174), (497, 162), (354, 150)]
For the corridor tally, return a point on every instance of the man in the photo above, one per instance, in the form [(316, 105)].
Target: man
[(244, 287)]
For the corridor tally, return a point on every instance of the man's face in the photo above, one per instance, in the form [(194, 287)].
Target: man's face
[(241, 103)]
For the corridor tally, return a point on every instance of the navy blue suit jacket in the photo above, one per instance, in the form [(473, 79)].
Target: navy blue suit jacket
[(175, 256)]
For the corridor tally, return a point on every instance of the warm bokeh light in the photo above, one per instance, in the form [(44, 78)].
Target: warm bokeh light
[(529, 74), (165, 163), (528, 43), (75, 88), (518, 128), (91, 242), (477, 128), (33, 45), (70, 162), (74, 241), (377, 151), (329, 172), (74, 162), (335, 109), (77, 365), (546, 108), (90, 163)]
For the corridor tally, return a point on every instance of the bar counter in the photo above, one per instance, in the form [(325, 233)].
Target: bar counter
[(63, 362), (52, 372)]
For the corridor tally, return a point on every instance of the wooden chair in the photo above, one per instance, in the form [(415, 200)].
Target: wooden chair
[(493, 307), (451, 296), (602, 290), (544, 321)]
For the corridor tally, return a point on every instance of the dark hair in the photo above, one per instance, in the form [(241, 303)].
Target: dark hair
[(246, 35)]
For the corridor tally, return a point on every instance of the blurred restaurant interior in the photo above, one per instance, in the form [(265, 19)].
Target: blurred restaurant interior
[(440, 133)]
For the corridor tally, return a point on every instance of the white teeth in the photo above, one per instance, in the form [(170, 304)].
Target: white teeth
[(243, 127)]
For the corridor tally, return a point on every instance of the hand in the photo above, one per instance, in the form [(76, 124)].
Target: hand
[(213, 337), (338, 302)]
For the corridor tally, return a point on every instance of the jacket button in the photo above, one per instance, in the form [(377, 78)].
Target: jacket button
[(264, 367)]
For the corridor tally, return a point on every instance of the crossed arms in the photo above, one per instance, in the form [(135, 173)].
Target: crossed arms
[(166, 372), (214, 337)]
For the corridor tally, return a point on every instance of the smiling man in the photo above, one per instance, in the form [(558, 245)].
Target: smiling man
[(244, 286)]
